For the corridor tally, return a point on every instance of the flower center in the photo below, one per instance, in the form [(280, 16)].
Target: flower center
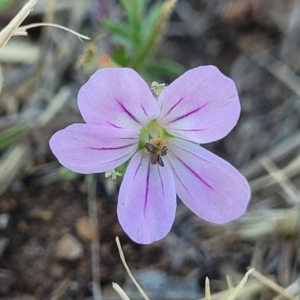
[(156, 149)]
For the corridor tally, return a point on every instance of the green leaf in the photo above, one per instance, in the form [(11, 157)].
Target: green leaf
[(164, 69), (149, 21), (5, 4), (120, 34), (120, 57), (117, 29), (159, 22), (10, 135), (134, 11)]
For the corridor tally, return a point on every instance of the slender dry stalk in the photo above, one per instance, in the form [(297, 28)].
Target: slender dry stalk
[(240, 286), (128, 270), (23, 29), (1, 79), (271, 284), (293, 289), (8, 31), (95, 244), (120, 291), (207, 289), (283, 180), (14, 29)]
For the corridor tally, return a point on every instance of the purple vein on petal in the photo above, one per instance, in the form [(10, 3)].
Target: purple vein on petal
[(117, 159), (147, 189), (173, 107), (191, 153), (178, 177), (128, 138), (137, 169), (144, 110), (188, 114), (194, 173), (127, 112), (189, 130), (114, 125), (162, 187), (111, 148)]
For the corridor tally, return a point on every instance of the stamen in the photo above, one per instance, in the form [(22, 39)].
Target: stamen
[(156, 149)]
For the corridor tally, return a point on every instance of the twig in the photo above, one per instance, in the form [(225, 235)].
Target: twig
[(271, 284), (283, 149), (95, 245), (294, 289), (289, 189), (279, 70), (290, 170)]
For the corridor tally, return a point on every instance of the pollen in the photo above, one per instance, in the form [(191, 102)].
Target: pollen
[(156, 149), (159, 143)]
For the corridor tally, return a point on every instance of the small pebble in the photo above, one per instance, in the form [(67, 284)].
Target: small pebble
[(85, 230), (4, 219), (69, 248)]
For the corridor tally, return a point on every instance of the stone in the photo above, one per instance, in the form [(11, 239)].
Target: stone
[(68, 248)]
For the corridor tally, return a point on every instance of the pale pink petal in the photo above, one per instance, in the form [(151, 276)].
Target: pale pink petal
[(208, 185), (202, 105), (147, 200), (86, 149), (117, 97)]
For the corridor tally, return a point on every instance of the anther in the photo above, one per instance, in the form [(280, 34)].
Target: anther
[(156, 149)]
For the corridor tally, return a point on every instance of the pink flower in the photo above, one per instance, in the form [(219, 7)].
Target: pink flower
[(160, 137)]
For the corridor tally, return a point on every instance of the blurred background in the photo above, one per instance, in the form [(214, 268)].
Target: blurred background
[(58, 229)]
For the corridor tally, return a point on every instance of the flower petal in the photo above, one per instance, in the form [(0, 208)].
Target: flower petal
[(208, 185), (117, 97), (86, 149), (147, 200), (202, 105)]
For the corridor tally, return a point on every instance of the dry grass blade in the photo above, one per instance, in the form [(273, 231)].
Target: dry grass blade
[(207, 289), (240, 286), (11, 53), (1, 79), (229, 283), (12, 161), (282, 179), (258, 223), (276, 153), (56, 104), (23, 29), (278, 69), (128, 270), (294, 289), (120, 291), (271, 284), (14, 24), (95, 244), (252, 287), (290, 170)]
